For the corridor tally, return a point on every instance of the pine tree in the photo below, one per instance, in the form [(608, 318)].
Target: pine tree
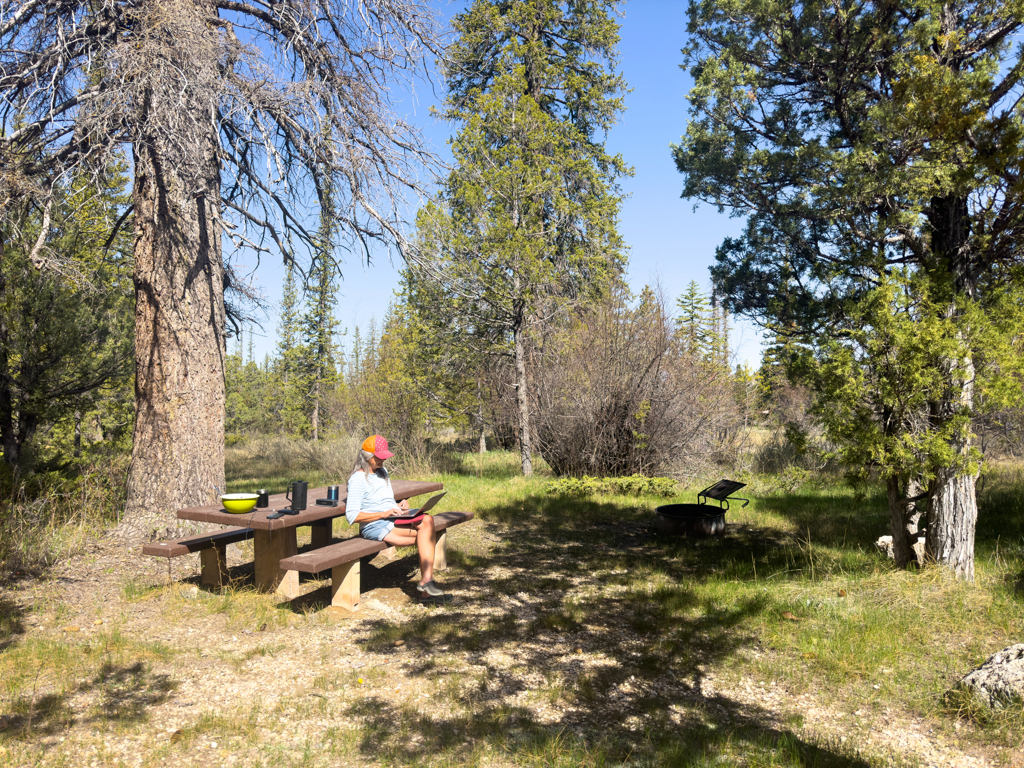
[(65, 339), (318, 327), (290, 396), (694, 323), (719, 332), (526, 221)]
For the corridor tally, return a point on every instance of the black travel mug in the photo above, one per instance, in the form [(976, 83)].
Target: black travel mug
[(298, 495), (263, 500)]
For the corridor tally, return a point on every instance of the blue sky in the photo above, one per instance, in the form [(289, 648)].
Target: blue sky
[(670, 243)]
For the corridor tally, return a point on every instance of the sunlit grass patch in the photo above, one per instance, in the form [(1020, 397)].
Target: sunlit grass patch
[(134, 589), (226, 728), (242, 606)]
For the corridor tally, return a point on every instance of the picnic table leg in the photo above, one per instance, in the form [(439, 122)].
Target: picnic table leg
[(345, 585), (320, 533), (215, 566), (441, 552), (270, 547)]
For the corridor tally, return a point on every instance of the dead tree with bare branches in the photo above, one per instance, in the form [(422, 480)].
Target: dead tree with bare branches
[(239, 115)]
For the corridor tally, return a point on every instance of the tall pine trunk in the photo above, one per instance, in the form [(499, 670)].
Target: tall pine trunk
[(178, 450), (522, 399)]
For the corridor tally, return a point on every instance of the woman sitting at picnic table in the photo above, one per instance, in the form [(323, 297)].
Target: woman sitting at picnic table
[(371, 499)]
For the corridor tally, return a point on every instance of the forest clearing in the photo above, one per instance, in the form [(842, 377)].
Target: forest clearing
[(193, 191), (578, 637)]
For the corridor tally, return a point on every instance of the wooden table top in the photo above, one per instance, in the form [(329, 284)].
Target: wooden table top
[(257, 518)]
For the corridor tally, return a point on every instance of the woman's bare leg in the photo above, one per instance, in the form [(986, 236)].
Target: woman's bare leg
[(425, 543), (423, 536)]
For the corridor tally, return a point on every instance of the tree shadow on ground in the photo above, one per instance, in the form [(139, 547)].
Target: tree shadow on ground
[(119, 694), (12, 624), (717, 730), (584, 630)]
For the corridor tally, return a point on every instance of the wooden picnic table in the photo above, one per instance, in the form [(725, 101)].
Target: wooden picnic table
[(276, 539)]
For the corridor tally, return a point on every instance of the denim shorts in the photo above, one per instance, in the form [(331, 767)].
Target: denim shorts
[(377, 529)]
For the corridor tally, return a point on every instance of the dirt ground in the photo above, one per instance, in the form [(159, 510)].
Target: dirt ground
[(191, 677)]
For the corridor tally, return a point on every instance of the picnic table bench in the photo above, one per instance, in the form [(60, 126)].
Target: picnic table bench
[(212, 549), (343, 559)]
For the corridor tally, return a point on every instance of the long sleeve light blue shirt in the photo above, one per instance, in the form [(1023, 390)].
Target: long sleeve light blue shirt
[(368, 492)]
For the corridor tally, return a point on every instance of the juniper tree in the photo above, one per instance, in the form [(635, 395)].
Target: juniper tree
[(237, 112), (861, 141)]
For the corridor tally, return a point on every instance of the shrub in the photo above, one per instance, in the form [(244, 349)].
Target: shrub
[(617, 394), (633, 485)]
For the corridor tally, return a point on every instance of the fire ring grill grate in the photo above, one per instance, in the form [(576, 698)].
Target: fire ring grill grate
[(700, 519)]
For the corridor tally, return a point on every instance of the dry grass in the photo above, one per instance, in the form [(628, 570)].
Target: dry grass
[(53, 518)]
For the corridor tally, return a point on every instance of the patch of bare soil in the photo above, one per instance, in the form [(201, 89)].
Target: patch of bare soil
[(192, 677)]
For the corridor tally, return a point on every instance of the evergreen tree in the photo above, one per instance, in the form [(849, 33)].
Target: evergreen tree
[(719, 332), (318, 328), (289, 400), (248, 407), (65, 339), (777, 355), (526, 221), (862, 141), (450, 361), (703, 326), (695, 324)]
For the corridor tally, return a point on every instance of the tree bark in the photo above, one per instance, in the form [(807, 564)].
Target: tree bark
[(952, 516), (178, 450), (953, 507), (903, 519), (525, 450)]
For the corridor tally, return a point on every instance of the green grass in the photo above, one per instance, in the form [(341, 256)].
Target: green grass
[(863, 634)]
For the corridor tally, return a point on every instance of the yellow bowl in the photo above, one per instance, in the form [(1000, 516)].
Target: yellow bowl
[(237, 503)]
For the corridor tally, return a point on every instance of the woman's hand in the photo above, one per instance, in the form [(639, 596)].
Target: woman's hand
[(402, 508)]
